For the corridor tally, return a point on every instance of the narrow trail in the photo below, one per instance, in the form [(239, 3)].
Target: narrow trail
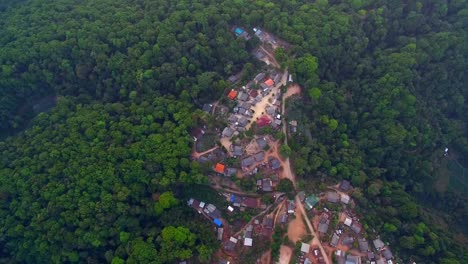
[(199, 154), (270, 57), (255, 217)]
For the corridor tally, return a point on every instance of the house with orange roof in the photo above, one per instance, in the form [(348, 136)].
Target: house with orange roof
[(269, 82), (219, 168), (232, 94)]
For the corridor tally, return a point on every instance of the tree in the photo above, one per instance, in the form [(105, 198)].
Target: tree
[(285, 151), (286, 186)]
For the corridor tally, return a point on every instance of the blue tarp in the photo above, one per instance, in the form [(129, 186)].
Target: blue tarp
[(233, 198), (239, 31), (218, 222)]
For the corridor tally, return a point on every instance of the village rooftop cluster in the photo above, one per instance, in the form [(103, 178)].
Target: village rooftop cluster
[(335, 229)]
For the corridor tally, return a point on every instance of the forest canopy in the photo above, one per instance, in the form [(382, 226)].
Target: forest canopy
[(96, 179)]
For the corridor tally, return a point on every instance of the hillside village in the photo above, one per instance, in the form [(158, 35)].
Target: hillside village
[(249, 171)]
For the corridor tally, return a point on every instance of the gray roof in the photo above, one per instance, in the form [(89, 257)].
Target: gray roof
[(356, 227), (387, 254), (243, 96), (207, 108), (259, 54), (352, 259), (264, 86), (271, 110), (345, 185), (243, 121), (363, 245), (229, 245), (323, 227), (274, 163), (378, 244), (230, 171), (259, 156), (334, 240), (259, 77), (284, 218), (241, 110), (333, 197), (245, 105), (247, 161), (233, 119), (261, 142), (277, 78), (227, 132), (266, 185), (268, 222), (347, 240), (237, 150), (232, 78)]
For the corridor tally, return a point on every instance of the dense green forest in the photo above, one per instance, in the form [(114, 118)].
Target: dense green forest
[(386, 90)]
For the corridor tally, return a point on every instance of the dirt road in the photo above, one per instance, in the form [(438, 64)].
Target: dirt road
[(199, 154), (296, 228), (311, 228)]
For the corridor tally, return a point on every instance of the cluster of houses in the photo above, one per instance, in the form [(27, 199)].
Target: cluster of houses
[(246, 239), (350, 232), (263, 36), (249, 96), (305, 257), (208, 210)]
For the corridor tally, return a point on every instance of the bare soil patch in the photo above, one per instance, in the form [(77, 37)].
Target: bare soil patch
[(296, 228), (292, 90), (285, 255)]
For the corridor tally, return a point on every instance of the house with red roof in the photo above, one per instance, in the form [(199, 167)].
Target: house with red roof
[(263, 121), (269, 82), (219, 168), (232, 94)]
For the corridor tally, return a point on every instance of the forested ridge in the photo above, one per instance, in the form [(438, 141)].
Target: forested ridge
[(386, 91)]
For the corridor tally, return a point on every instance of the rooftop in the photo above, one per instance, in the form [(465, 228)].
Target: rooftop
[(334, 240), (269, 82), (347, 240), (378, 244), (248, 242), (345, 198), (261, 142), (207, 108), (311, 201), (333, 197), (356, 227), (266, 185), (228, 132), (263, 121), (274, 163), (219, 168), (250, 202), (247, 161), (352, 259), (387, 253), (259, 156), (259, 77), (305, 248), (345, 185), (230, 172), (363, 245), (232, 94)]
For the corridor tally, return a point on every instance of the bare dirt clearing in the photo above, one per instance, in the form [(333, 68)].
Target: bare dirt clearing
[(296, 228), (292, 90), (285, 255)]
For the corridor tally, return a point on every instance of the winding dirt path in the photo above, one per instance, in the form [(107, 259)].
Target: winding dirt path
[(199, 154)]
